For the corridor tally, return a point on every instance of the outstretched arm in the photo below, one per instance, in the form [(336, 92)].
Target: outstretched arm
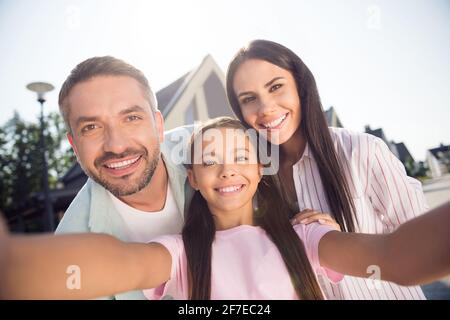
[(416, 253), (79, 266)]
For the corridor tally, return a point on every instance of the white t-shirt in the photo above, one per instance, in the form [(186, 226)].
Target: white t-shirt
[(142, 226)]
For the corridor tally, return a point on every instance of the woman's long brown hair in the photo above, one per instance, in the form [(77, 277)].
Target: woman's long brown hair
[(313, 124), (272, 215)]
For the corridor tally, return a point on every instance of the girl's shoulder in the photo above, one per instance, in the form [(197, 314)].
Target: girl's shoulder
[(173, 243)]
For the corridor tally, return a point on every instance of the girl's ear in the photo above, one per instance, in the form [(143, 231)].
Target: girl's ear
[(191, 178)]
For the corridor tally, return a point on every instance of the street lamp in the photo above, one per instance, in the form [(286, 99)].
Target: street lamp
[(41, 88)]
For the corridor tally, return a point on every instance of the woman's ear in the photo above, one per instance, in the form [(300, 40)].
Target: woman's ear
[(191, 178), (261, 171)]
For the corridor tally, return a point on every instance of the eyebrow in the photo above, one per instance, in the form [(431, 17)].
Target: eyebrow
[(235, 150), (83, 119), (134, 108), (265, 86)]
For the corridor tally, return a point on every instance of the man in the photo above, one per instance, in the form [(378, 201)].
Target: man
[(136, 189)]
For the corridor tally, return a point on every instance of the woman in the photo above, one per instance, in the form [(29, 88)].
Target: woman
[(228, 250), (348, 176)]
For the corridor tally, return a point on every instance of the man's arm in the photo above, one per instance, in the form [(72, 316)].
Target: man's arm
[(44, 267), (416, 253)]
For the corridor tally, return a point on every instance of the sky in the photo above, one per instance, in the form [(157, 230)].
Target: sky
[(383, 63)]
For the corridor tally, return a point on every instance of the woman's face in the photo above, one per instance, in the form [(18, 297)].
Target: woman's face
[(268, 99), (226, 170)]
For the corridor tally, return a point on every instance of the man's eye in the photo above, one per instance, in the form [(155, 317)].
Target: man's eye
[(133, 118), (241, 159), (275, 87), (88, 128)]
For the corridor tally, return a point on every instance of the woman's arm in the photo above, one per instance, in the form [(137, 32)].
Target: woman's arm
[(416, 253), (80, 266)]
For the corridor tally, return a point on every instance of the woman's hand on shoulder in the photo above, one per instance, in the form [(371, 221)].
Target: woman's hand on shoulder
[(308, 216)]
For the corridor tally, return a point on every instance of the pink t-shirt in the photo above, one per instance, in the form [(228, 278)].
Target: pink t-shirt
[(245, 264)]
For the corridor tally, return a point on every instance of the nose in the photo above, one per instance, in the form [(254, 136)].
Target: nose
[(227, 171), (115, 141), (266, 106)]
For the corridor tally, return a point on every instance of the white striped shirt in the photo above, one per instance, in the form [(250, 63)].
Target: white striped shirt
[(384, 198)]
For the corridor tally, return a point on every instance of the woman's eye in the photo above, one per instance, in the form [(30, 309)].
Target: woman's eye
[(275, 87), (247, 100), (241, 159)]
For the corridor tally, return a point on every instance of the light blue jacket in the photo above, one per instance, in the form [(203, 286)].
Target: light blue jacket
[(93, 211)]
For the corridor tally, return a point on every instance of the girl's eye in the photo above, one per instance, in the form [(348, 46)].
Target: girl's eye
[(275, 87)]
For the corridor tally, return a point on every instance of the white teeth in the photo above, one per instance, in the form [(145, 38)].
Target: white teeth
[(230, 189), (275, 122), (121, 164)]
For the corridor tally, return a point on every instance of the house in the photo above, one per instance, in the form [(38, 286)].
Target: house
[(380, 134), (398, 149), (332, 118), (196, 96), (438, 160)]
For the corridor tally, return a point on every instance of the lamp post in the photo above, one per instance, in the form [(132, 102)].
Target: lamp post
[(41, 88)]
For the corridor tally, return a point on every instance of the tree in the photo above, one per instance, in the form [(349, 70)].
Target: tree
[(21, 158)]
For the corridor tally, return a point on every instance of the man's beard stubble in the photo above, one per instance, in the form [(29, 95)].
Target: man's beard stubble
[(143, 180)]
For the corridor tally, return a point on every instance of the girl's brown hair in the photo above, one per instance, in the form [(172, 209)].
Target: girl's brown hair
[(271, 215), (313, 124)]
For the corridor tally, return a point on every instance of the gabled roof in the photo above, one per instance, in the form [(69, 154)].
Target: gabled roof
[(171, 94), (377, 133), (165, 95), (330, 115), (73, 173), (403, 152), (441, 150)]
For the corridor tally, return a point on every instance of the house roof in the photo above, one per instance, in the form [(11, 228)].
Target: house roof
[(403, 152), (437, 152), (376, 132), (330, 114), (73, 173), (166, 94)]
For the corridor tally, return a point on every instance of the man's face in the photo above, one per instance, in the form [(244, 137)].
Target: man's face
[(115, 135)]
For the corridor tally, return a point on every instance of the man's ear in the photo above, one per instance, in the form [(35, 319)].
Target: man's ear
[(70, 138), (159, 121), (191, 178)]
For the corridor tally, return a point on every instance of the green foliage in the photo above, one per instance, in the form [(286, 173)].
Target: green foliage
[(21, 157)]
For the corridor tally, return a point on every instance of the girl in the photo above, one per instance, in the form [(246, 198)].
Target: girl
[(228, 249), (352, 176)]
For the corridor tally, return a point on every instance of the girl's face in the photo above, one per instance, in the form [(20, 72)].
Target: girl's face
[(226, 170), (268, 99)]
